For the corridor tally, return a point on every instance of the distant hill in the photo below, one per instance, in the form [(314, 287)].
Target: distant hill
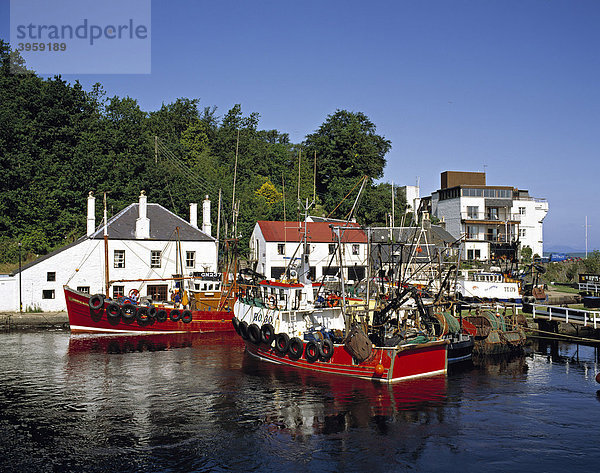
[(569, 250)]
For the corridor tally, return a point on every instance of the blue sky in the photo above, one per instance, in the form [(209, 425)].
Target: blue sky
[(509, 87)]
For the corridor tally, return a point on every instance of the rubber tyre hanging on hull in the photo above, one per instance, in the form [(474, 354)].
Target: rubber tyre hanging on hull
[(236, 324), (267, 334), (96, 302), (254, 333), (282, 343), (143, 316), (113, 311), (128, 311), (186, 316), (161, 315), (175, 315), (312, 351), (326, 350), (296, 348), (244, 329)]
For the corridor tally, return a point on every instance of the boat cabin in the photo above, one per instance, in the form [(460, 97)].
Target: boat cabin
[(286, 295)]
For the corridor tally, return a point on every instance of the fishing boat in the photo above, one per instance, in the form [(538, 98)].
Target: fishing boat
[(100, 314), (290, 322), (479, 286)]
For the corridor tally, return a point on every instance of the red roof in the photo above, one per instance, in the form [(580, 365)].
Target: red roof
[(318, 232)]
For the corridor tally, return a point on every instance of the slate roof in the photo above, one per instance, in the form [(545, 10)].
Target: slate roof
[(318, 232), (122, 227), (162, 225)]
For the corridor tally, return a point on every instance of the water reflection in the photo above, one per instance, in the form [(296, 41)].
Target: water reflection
[(311, 403), (198, 403)]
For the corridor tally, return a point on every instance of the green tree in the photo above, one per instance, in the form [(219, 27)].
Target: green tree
[(347, 147)]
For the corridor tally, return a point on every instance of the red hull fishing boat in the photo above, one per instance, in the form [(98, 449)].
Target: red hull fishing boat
[(385, 364), (281, 323), (96, 314)]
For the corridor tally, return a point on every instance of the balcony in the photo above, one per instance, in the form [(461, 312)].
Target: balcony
[(485, 218)]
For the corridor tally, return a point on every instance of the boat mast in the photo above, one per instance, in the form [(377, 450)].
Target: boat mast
[(106, 279)]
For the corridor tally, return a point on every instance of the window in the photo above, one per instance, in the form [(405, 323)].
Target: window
[(84, 289), (158, 292), (190, 259), (119, 258), (472, 232), (522, 232), (522, 210), (472, 211), (155, 256), (281, 248), (492, 234), (118, 291), (48, 294), (51, 276), (331, 248), (355, 249), (493, 213), (473, 254)]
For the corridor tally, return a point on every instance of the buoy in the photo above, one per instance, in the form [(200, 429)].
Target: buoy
[(598, 378), (379, 370)]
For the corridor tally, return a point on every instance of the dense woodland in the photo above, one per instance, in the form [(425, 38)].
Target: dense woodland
[(59, 141)]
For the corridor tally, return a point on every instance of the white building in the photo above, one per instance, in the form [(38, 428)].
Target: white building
[(274, 245), (491, 220), (142, 244)]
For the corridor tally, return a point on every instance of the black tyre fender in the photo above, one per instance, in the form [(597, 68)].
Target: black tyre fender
[(254, 334), (96, 302), (236, 324), (267, 334), (296, 348), (161, 315), (113, 310), (312, 351), (326, 349), (175, 315), (128, 311), (282, 343), (244, 329), (186, 316), (142, 316)]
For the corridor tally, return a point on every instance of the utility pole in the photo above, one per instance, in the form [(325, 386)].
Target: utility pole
[(586, 237)]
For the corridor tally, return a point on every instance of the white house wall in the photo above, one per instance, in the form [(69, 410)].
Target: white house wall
[(268, 257), (535, 212), (83, 265)]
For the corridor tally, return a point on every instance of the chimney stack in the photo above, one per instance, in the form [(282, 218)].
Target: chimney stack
[(194, 215), (142, 224), (206, 226), (91, 214)]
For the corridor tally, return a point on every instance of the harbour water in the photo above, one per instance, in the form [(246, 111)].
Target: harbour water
[(198, 403)]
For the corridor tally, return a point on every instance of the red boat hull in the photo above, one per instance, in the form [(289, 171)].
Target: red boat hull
[(82, 319), (399, 363)]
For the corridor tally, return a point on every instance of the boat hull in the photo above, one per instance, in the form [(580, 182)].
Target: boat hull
[(82, 319), (399, 363)]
